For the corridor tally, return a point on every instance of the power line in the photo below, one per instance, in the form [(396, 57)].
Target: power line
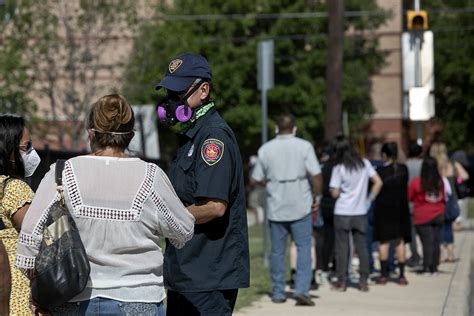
[(451, 10), (292, 15), (265, 16)]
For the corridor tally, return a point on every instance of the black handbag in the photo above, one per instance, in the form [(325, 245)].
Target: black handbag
[(452, 210), (61, 266), (462, 190), (460, 186)]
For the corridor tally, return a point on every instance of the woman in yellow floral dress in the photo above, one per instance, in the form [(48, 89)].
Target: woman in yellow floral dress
[(18, 160)]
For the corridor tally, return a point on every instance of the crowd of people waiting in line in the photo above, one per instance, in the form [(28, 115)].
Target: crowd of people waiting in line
[(382, 202)]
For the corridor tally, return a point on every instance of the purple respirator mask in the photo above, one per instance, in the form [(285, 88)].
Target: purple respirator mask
[(174, 109)]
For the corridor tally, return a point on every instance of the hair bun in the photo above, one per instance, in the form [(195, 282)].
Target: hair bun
[(112, 113)]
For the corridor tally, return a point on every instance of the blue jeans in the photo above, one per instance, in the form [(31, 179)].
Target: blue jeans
[(301, 230), (447, 236), (104, 306)]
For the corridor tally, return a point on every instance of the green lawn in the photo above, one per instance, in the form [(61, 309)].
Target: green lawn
[(259, 275)]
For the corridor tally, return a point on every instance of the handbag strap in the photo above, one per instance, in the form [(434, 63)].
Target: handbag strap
[(59, 179), (59, 171)]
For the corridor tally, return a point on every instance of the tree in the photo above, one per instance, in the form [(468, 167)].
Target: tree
[(227, 33), (64, 48), (14, 79), (454, 70)]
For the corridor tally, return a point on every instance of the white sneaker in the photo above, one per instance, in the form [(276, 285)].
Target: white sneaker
[(323, 278)]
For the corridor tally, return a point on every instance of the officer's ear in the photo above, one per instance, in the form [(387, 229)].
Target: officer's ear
[(204, 90)]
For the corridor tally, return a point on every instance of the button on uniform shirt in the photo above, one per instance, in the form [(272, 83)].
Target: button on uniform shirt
[(285, 163), (208, 166), (354, 185)]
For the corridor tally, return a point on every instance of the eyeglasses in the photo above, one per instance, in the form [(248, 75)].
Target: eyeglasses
[(28, 147), (181, 94)]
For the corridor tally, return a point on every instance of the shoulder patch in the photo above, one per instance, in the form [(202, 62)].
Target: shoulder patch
[(212, 150)]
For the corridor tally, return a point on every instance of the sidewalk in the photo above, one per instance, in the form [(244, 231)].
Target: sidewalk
[(447, 294)]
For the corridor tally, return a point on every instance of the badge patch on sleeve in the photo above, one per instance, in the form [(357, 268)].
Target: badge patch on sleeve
[(212, 150)]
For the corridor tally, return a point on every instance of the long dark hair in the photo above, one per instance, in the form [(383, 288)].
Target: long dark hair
[(11, 132), (430, 178), (390, 150), (344, 154)]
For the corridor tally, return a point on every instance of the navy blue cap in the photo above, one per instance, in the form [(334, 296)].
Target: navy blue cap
[(183, 70)]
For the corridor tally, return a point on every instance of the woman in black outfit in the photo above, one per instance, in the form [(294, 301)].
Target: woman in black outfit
[(391, 212), (325, 246)]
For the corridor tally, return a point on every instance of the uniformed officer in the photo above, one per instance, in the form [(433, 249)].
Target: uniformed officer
[(204, 276), (284, 164)]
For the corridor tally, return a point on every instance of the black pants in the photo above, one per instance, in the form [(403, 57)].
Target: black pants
[(413, 246), (344, 226), (212, 303), (327, 249), (430, 239)]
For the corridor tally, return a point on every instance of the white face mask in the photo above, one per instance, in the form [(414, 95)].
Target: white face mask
[(31, 161)]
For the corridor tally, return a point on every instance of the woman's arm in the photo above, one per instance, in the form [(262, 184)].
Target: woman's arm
[(17, 218), (5, 281), (335, 192), (376, 185), (461, 172), (32, 224), (175, 222)]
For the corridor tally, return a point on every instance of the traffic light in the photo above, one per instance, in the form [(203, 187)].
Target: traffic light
[(417, 20)]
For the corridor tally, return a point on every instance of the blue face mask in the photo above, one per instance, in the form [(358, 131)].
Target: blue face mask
[(31, 161)]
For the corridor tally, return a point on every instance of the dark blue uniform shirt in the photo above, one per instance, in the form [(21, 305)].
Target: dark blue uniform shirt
[(208, 165)]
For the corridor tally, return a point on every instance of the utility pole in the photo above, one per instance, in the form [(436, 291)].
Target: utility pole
[(333, 120)]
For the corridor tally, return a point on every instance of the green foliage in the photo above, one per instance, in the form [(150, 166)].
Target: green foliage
[(14, 80), (56, 50), (454, 71), (230, 44)]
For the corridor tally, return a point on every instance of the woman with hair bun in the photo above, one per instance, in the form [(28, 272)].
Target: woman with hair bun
[(391, 212), (122, 206)]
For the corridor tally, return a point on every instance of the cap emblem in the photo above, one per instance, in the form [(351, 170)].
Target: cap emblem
[(174, 65)]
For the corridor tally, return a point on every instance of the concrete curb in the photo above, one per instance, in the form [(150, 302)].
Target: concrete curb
[(459, 292)]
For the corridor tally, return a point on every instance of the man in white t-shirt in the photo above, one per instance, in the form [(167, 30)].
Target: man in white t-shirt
[(284, 165)]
